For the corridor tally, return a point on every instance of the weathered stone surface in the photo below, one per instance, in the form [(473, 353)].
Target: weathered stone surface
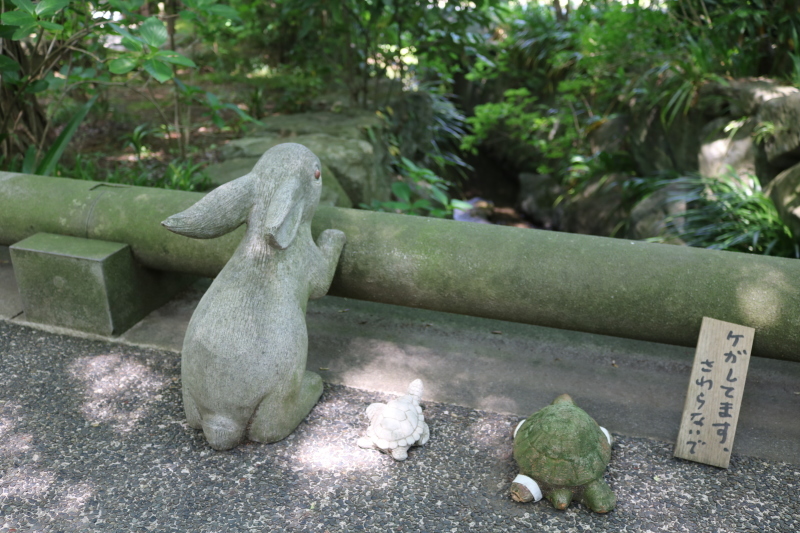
[(741, 98), (649, 217), (243, 362), (723, 151), (348, 125), (231, 169), (784, 191), (611, 135), (537, 197), (353, 162), (783, 146), (597, 209), (87, 285), (10, 301), (656, 148)]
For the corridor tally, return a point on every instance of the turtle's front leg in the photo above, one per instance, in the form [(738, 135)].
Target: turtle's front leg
[(560, 498), (400, 453)]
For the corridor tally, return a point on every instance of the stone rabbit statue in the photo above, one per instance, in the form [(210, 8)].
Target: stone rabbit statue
[(243, 363)]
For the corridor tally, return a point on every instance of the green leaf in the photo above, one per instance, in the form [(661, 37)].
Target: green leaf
[(48, 8), (25, 5), (123, 31), (8, 65), (6, 31), (29, 161), (460, 204), (48, 164), (423, 203), (17, 18), (121, 65), (158, 69), (402, 191), (37, 87), (50, 26), (213, 100), (126, 6), (23, 32), (217, 120), (154, 33), (242, 115), (439, 196), (131, 44), (187, 15), (224, 11), (175, 58)]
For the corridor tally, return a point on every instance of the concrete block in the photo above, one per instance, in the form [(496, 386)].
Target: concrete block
[(88, 285)]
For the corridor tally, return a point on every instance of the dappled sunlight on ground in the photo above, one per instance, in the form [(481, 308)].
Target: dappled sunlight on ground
[(397, 364), (71, 500), (118, 390), (12, 443), (340, 456), (25, 482), (320, 456)]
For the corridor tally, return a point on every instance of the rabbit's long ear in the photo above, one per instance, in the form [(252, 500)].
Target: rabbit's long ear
[(221, 211), (284, 214)]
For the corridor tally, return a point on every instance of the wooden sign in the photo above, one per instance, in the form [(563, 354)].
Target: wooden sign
[(711, 410)]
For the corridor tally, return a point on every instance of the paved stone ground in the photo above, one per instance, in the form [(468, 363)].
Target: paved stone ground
[(92, 438)]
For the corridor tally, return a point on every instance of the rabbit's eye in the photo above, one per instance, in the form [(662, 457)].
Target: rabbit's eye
[(317, 174)]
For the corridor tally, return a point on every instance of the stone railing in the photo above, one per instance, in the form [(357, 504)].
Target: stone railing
[(594, 284)]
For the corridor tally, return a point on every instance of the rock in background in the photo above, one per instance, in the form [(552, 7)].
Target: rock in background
[(351, 147)]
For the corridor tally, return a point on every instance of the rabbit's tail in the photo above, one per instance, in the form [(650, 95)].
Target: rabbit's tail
[(221, 432)]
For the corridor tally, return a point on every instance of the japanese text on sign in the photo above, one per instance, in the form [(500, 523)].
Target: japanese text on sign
[(711, 410)]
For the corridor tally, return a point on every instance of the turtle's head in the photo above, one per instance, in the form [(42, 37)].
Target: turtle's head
[(564, 398), (415, 389)]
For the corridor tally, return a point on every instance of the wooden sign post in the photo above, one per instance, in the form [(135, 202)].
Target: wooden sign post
[(711, 410)]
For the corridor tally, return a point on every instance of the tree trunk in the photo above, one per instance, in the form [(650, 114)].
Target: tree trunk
[(22, 120)]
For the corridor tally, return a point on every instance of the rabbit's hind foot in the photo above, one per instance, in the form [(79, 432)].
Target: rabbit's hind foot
[(276, 418), (221, 432), (193, 419)]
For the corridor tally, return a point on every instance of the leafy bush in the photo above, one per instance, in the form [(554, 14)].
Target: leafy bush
[(563, 76), (420, 192), (57, 48), (729, 212)]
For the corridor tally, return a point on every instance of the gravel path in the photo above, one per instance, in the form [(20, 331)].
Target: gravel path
[(92, 438)]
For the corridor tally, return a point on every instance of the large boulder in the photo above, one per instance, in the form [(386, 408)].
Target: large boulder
[(537, 199), (352, 162), (722, 152), (352, 144), (784, 191), (650, 217), (740, 98), (598, 209), (230, 169), (783, 116), (348, 125), (656, 148)]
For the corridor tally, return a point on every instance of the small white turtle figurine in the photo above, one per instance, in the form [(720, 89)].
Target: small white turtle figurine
[(396, 426)]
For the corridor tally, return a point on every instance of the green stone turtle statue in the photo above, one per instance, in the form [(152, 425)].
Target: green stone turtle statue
[(562, 454)]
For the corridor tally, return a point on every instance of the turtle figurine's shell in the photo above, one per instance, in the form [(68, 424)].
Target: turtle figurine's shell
[(397, 425), (565, 452)]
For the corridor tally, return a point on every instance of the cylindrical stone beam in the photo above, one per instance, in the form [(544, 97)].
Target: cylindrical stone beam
[(599, 285)]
